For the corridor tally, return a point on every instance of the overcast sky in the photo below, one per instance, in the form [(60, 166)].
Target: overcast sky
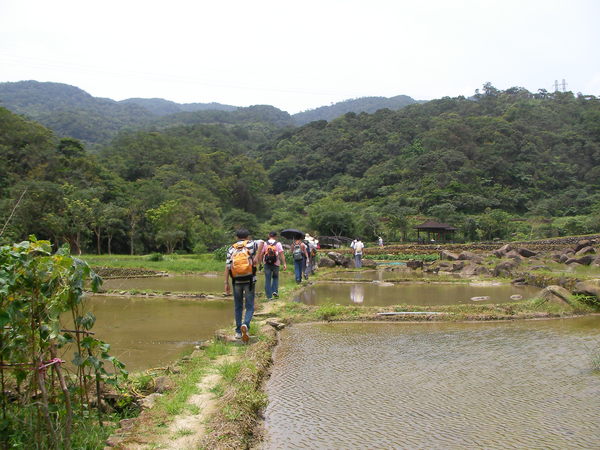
[(299, 55)]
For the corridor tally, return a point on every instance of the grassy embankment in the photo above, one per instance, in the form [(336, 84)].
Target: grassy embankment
[(163, 263)]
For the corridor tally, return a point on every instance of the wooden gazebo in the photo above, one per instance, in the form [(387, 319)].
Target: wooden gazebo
[(440, 231)]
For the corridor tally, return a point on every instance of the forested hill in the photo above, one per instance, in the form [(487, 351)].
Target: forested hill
[(72, 112), (358, 105), (503, 164), (161, 107), (509, 150)]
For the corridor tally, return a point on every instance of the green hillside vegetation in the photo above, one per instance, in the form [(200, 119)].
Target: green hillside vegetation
[(501, 165), (161, 107), (72, 112), (357, 105)]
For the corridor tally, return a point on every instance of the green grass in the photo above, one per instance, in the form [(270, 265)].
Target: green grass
[(182, 432), (230, 370), (596, 361), (216, 349), (329, 310), (87, 433), (403, 256), (169, 263)]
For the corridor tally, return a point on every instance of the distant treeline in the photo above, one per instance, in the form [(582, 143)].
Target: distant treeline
[(72, 112), (502, 164)]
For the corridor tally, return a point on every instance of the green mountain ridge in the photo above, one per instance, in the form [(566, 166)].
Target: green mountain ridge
[(72, 112), (502, 164), (357, 105)]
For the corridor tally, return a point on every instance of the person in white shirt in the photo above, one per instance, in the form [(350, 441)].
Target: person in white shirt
[(358, 252)]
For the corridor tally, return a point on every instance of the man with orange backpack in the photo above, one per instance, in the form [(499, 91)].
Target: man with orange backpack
[(272, 257), (242, 258)]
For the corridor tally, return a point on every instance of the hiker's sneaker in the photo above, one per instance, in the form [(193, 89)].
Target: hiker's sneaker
[(244, 330), (238, 335), (275, 295)]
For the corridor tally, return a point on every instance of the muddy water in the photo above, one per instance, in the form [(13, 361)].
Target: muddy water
[(385, 294), (382, 275), (145, 333), (205, 283), (511, 385)]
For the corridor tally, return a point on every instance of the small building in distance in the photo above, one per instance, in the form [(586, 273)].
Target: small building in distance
[(438, 232)]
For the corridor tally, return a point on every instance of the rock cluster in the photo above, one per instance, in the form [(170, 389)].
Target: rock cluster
[(506, 261), (333, 259), (583, 253)]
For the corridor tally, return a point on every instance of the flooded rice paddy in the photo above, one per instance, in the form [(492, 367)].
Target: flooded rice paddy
[(412, 293), (523, 384), (205, 283), (145, 333)]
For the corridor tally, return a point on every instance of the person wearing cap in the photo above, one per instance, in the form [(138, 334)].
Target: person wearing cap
[(272, 258)]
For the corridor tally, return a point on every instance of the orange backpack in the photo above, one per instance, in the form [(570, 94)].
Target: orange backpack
[(241, 261)]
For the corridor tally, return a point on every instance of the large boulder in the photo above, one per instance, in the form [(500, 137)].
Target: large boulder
[(348, 263), (502, 251), (505, 268), (555, 294), (470, 256), (414, 264), (513, 254), (444, 266), (472, 269), (589, 287), (369, 263), (448, 256), (566, 256), (596, 262), (336, 257), (582, 244), (326, 262), (457, 266), (526, 253), (585, 260), (589, 250)]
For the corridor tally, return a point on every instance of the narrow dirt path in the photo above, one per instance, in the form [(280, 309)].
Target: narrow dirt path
[(186, 430)]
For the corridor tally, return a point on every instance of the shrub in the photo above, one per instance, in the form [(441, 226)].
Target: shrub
[(328, 310), (156, 257)]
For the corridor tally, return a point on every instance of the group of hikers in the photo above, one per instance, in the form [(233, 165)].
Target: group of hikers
[(247, 255)]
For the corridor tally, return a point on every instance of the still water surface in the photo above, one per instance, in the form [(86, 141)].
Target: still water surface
[(431, 294), (511, 385), (205, 283), (145, 333)]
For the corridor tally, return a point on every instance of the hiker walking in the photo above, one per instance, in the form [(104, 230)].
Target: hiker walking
[(358, 251), (273, 258), (380, 240), (241, 268), (300, 257), (311, 247)]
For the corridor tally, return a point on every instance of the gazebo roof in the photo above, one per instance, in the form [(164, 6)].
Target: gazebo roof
[(435, 226)]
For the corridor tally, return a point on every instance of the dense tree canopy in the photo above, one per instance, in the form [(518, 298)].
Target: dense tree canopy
[(501, 164)]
